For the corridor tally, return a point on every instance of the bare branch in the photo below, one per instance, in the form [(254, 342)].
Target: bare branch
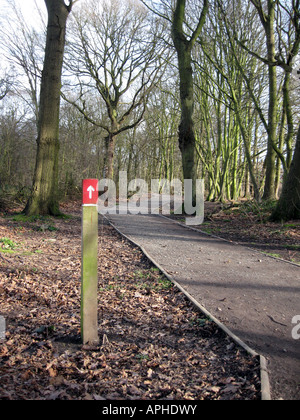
[(165, 17)]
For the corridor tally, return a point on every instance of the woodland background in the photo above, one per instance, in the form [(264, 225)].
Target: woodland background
[(121, 95)]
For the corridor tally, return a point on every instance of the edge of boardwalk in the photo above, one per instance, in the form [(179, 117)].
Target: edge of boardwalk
[(264, 375)]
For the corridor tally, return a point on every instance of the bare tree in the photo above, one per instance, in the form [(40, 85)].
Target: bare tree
[(185, 30), (24, 50), (5, 86), (280, 22), (115, 52)]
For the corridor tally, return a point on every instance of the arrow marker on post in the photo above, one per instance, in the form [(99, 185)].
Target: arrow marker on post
[(89, 265), (90, 191)]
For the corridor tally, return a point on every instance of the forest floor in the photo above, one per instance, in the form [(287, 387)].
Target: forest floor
[(153, 343)]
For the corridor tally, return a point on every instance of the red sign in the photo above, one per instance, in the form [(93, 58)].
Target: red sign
[(90, 191)]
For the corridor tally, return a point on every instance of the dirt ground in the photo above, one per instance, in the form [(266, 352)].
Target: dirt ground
[(154, 345)]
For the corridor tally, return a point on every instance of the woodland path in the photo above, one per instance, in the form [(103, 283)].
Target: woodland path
[(254, 295)]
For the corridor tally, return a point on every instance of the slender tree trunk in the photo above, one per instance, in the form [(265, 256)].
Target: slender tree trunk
[(110, 142), (288, 206), (247, 145), (290, 120), (44, 195), (270, 187), (268, 21)]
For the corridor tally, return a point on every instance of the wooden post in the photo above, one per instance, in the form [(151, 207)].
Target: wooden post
[(89, 265)]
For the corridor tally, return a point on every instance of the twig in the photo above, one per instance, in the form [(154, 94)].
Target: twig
[(1, 256), (105, 341), (276, 322)]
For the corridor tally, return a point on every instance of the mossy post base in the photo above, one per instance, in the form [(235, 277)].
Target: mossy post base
[(89, 275)]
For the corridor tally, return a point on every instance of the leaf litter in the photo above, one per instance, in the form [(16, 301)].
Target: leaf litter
[(154, 344)]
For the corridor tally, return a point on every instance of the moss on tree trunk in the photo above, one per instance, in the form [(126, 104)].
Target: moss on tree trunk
[(288, 207)]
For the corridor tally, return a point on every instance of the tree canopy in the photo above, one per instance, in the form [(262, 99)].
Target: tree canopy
[(185, 89)]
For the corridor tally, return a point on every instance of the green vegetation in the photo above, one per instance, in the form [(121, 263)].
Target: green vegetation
[(199, 322), (22, 218), (152, 279), (164, 283), (39, 223), (7, 245)]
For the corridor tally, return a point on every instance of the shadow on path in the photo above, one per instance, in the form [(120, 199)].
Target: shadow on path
[(254, 295)]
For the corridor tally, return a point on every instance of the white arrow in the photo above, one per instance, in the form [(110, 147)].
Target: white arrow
[(90, 191)]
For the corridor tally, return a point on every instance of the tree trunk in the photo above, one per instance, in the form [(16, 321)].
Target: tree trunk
[(110, 142), (187, 141), (268, 21), (290, 120), (270, 187), (44, 195), (184, 46), (288, 206)]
